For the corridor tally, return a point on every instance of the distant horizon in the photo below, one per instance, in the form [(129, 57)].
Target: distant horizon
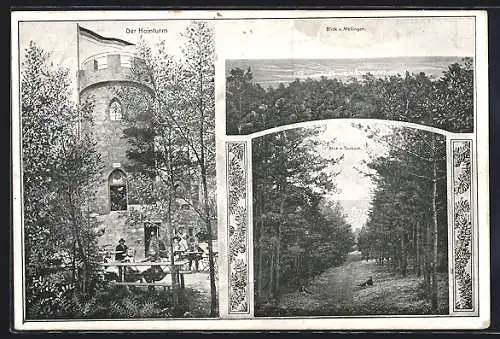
[(363, 58), (273, 72)]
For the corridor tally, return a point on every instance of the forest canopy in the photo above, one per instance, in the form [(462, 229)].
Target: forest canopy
[(446, 103)]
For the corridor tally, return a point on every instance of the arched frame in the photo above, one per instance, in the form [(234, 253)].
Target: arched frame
[(238, 184)]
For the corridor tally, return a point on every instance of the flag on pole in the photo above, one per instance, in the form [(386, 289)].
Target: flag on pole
[(91, 35), (91, 44)]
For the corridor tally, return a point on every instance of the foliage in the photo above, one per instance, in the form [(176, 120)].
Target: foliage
[(118, 302), (446, 102), (171, 136), (298, 233), (407, 223), (60, 168)]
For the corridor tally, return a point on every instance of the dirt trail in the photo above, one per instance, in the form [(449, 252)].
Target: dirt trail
[(334, 288), (337, 292)]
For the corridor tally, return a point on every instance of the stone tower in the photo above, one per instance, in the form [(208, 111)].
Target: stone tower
[(105, 73), (105, 69)]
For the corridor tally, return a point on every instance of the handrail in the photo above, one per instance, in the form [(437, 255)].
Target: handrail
[(95, 56)]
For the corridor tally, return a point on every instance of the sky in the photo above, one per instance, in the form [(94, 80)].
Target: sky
[(378, 37), (293, 38), (354, 191)]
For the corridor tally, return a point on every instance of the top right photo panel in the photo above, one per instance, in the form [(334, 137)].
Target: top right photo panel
[(418, 70)]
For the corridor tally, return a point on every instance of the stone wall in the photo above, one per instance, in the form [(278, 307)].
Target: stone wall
[(115, 227), (111, 144)]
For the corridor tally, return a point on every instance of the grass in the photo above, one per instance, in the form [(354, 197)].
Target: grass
[(336, 293)]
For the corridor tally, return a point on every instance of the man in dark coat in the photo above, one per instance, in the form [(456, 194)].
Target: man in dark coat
[(121, 250)]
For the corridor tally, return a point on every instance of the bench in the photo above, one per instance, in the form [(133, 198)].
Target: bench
[(166, 286)]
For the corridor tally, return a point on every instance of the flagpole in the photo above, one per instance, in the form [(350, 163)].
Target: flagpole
[(78, 76)]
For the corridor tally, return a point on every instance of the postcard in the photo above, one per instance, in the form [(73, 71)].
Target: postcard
[(250, 170)]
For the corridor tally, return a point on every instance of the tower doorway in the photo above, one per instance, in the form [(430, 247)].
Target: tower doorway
[(151, 238), (117, 191)]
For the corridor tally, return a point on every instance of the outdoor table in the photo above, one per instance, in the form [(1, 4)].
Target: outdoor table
[(162, 264)]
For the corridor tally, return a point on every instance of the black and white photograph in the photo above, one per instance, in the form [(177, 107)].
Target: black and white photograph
[(359, 181), (350, 220), (214, 170), (118, 170)]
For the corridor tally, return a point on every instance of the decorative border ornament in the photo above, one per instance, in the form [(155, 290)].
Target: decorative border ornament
[(237, 221), (462, 225)]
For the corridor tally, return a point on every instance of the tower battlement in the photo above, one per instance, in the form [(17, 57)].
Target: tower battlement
[(111, 67)]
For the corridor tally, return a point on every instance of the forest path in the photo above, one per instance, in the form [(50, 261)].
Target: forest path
[(334, 288), (337, 292)]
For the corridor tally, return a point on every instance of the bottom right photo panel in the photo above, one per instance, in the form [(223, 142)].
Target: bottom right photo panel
[(351, 219)]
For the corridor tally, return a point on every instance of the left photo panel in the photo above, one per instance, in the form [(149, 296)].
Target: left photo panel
[(117, 158)]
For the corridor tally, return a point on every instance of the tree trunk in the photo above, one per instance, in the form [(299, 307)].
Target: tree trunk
[(427, 269), (208, 224), (277, 279), (75, 213), (278, 242), (211, 264), (73, 264), (418, 269), (434, 299), (170, 228), (403, 257), (260, 270), (173, 269), (271, 272)]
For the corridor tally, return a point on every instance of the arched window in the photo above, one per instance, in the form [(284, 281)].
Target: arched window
[(117, 191), (115, 110)]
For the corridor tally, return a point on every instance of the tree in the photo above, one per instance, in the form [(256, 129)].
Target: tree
[(401, 97), (409, 210), (175, 143), (454, 98), (295, 230), (243, 100), (60, 169)]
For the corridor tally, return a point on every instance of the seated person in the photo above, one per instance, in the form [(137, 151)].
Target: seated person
[(110, 272), (162, 249), (121, 250), (177, 248), (153, 273), (204, 247), (130, 257)]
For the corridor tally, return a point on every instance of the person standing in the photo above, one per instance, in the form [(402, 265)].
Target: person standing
[(153, 244), (176, 248), (195, 253), (120, 255), (183, 243)]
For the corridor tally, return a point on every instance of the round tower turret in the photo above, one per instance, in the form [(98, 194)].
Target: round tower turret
[(103, 78)]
